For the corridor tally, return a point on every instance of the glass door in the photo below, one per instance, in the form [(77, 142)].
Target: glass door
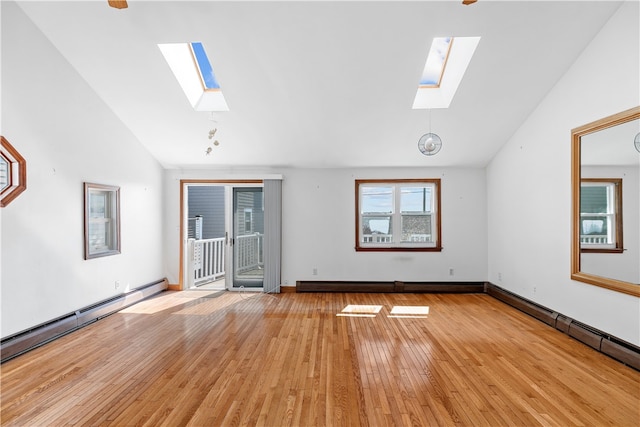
[(248, 237)]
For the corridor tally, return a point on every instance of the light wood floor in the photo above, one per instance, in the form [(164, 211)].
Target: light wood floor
[(192, 358)]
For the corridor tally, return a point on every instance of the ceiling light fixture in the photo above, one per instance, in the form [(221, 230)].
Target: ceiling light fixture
[(636, 142), (429, 144)]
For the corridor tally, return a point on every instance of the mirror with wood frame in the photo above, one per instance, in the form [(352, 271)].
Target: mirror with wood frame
[(606, 203)]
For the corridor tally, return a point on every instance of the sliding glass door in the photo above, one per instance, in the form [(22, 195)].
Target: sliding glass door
[(248, 237)]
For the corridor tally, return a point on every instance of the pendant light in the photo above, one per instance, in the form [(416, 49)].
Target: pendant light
[(429, 144)]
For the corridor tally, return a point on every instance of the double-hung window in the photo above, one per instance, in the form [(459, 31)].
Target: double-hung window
[(398, 215), (601, 215)]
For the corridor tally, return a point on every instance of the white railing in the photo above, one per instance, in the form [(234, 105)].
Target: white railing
[(248, 252), (419, 238), (376, 238), (592, 239), (387, 238), (207, 259)]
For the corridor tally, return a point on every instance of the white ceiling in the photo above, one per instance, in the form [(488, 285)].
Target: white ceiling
[(321, 84)]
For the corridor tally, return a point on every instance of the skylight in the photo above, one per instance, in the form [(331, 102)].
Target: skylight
[(436, 61), (204, 67), (194, 72), (446, 64)]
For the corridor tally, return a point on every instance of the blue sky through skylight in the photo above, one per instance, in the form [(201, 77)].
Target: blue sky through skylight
[(206, 70), (436, 60), (446, 64)]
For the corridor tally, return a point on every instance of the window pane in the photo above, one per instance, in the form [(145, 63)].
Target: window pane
[(595, 230), (377, 200), (593, 199), (416, 228), (98, 235), (98, 205), (377, 229), (415, 199)]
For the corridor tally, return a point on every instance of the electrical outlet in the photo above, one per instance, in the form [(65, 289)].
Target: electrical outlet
[(117, 284), (451, 272), (315, 271), (499, 277)]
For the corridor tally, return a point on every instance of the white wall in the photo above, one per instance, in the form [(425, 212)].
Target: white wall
[(319, 226), (67, 136), (529, 184)]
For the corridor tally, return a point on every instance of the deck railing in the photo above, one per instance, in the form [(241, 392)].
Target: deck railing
[(594, 239), (388, 238), (206, 257), (248, 252)]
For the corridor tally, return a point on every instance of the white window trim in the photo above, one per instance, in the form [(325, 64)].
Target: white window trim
[(610, 216)]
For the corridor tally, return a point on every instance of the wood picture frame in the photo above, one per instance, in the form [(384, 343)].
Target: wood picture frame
[(101, 220)]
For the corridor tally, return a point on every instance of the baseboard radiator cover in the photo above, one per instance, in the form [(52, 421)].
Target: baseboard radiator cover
[(531, 308), (614, 347), (21, 342), (388, 287)]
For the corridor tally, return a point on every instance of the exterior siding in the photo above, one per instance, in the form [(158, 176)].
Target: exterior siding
[(208, 201)]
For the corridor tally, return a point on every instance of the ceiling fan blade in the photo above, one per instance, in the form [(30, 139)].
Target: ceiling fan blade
[(468, 2), (118, 4)]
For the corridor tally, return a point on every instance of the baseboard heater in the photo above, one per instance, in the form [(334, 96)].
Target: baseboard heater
[(614, 347), (395, 287), (31, 338)]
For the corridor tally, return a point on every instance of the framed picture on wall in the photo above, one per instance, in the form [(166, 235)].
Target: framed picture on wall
[(101, 220)]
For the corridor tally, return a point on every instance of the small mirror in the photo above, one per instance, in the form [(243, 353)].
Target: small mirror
[(101, 220), (13, 172), (5, 182), (606, 203)]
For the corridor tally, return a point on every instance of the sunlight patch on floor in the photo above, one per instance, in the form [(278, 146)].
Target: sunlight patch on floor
[(360, 311), (405, 311)]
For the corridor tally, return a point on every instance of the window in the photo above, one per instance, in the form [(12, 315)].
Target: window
[(601, 215), (398, 215), (248, 216), (101, 220), (193, 69), (443, 71)]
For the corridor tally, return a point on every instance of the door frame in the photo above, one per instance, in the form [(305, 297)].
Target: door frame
[(184, 183)]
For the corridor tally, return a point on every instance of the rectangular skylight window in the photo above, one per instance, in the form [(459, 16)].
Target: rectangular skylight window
[(204, 66), (446, 64), (194, 72), (436, 62)]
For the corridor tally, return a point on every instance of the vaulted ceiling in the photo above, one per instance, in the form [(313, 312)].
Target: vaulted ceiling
[(321, 84)]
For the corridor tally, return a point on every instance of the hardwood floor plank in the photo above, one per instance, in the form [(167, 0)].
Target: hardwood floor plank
[(230, 359)]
